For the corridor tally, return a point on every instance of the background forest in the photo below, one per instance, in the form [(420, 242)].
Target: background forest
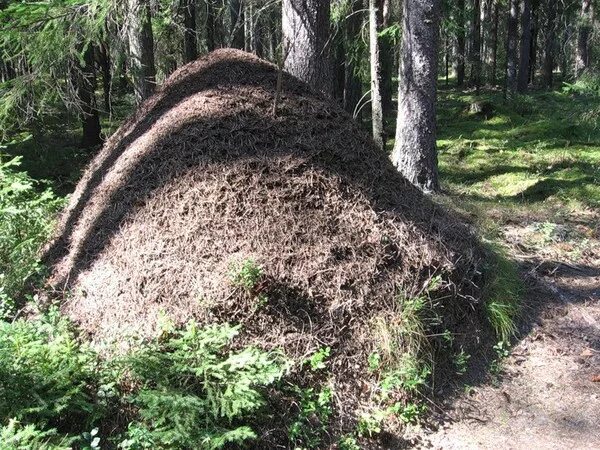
[(491, 107)]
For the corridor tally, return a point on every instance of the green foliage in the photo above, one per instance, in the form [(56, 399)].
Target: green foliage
[(245, 274), (15, 436), (194, 392), (502, 351), (374, 361), (370, 423), (317, 360), (409, 375), (189, 390), (461, 362), (44, 372), (587, 84), (25, 223), (312, 421), (46, 40), (348, 442), (410, 412)]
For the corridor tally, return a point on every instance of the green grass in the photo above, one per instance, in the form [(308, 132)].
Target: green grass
[(534, 155)]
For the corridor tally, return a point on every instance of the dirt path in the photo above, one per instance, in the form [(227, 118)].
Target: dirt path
[(544, 396)]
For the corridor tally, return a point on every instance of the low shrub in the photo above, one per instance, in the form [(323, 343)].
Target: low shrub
[(587, 84), (189, 390), (26, 219), (196, 393)]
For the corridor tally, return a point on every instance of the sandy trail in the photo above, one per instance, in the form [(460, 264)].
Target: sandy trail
[(545, 396)]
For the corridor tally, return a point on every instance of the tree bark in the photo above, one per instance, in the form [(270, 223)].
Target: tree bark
[(86, 93), (386, 57), (211, 38), (104, 63), (236, 15), (375, 66), (476, 46), (415, 153), (141, 49), (352, 85), (460, 43), (305, 28), (582, 55), (495, 43), (249, 37), (533, 53), (549, 44), (524, 60), (190, 46), (511, 47)]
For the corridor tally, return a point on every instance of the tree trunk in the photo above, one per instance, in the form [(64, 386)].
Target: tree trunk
[(582, 55), (305, 28), (511, 47), (386, 58), (104, 63), (352, 85), (495, 43), (86, 93), (375, 65), (236, 14), (211, 39), (460, 43), (476, 46), (274, 32), (415, 152), (249, 37), (190, 47), (549, 44), (141, 49), (533, 45), (447, 60), (338, 68), (525, 47)]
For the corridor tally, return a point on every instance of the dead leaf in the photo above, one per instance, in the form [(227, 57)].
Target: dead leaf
[(596, 379), (587, 352)]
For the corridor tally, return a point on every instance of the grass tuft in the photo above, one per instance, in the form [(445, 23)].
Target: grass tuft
[(503, 295)]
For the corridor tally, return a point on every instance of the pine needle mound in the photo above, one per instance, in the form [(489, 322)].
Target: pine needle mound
[(206, 177)]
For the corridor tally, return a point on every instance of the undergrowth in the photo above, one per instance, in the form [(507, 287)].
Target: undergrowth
[(190, 390), (26, 213)]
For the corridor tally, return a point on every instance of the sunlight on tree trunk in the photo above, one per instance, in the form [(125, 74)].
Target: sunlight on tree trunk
[(305, 27), (415, 153)]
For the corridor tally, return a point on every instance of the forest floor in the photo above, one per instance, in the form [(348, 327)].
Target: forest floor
[(529, 177)]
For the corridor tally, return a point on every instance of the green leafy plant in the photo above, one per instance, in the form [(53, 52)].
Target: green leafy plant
[(16, 436), (26, 219), (348, 442), (194, 392), (410, 412), (370, 423), (502, 351), (44, 372), (245, 274), (374, 361), (317, 360), (313, 418), (461, 362)]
